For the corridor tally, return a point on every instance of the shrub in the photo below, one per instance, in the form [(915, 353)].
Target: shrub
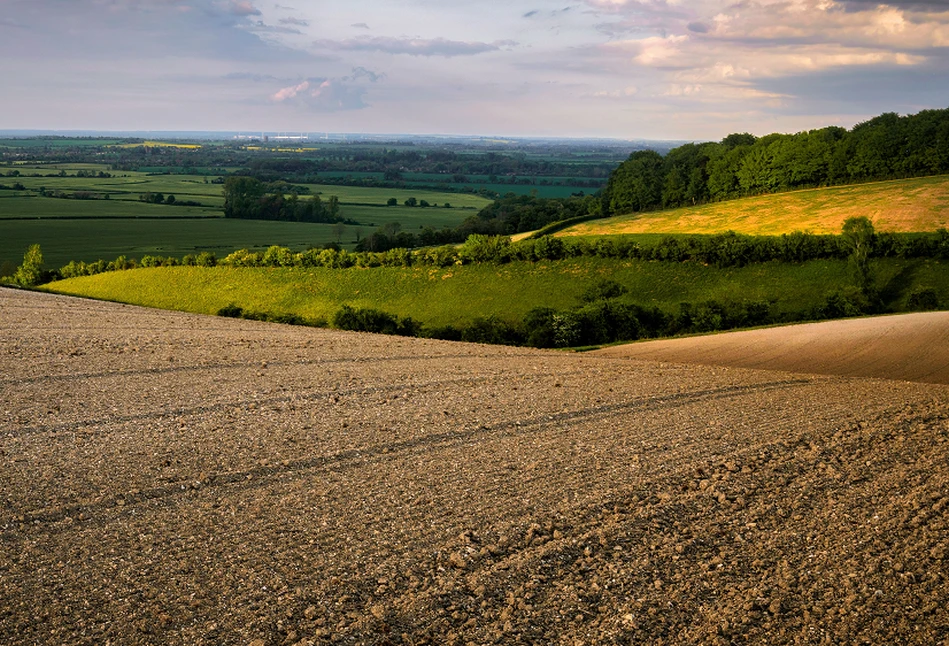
[(483, 248), (840, 305), (923, 299), (231, 311), (30, 273), (492, 330), (371, 320), (603, 289)]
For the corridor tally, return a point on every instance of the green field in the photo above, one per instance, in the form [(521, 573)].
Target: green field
[(91, 239), (123, 225), (32, 206), (458, 295), (896, 206)]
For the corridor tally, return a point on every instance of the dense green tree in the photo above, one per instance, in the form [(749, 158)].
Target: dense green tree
[(637, 184), (30, 273)]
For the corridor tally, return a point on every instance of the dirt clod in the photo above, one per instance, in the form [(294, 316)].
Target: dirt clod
[(281, 485)]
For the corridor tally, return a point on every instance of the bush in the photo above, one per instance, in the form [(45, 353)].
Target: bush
[(840, 305), (30, 273), (492, 330), (604, 289), (371, 320), (481, 248), (924, 299), (231, 311)]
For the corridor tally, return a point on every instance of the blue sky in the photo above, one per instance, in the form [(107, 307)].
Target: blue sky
[(652, 69)]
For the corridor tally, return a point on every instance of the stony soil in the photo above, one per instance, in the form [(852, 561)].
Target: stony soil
[(913, 347), (176, 479)]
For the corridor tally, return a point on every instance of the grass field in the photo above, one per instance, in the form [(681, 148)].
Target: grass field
[(900, 205), (457, 295)]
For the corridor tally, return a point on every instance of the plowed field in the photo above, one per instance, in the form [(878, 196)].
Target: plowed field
[(175, 479), (914, 347)]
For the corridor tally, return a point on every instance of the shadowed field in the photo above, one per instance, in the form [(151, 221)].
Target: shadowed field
[(169, 478)]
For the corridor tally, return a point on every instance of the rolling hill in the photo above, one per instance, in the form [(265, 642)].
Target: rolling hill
[(178, 479), (895, 206)]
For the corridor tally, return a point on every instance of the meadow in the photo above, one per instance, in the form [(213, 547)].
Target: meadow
[(459, 294), (908, 205)]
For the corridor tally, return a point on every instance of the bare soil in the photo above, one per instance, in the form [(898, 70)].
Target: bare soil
[(913, 347), (175, 479)]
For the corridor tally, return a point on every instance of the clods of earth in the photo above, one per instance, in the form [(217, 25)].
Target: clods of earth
[(176, 479)]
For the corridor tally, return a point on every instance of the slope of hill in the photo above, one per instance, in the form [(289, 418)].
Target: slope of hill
[(178, 479), (914, 347), (894, 206)]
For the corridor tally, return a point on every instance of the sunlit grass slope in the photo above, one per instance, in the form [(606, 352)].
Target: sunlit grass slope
[(897, 206), (459, 294)]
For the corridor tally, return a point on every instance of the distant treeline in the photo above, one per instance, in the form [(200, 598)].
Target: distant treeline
[(455, 165), (508, 215), (885, 147), (250, 199)]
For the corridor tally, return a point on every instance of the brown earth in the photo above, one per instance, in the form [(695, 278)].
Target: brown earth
[(914, 347), (176, 479)]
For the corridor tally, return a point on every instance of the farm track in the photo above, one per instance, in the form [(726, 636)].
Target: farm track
[(178, 479)]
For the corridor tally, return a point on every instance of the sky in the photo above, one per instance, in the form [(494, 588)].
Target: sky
[(627, 69)]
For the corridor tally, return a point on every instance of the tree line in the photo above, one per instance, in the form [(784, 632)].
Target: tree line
[(721, 250), (250, 199), (886, 147)]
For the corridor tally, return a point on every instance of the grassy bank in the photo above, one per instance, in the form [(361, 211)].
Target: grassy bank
[(457, 295)]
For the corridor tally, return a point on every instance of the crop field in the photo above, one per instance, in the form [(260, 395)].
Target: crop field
[(191, 481), (97, 239), (459, 294), (360, 195), (899, 205), (32, 206), (26, 218)]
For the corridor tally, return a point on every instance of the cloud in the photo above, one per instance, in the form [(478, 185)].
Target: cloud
[(413, 46), (244, 8), (360, 25), (294, 21), (261, 27), (249, 76), (329, 94), (616, 94)]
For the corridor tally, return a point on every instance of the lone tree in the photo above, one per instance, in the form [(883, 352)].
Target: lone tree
[(859, 238), (30, 273)]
